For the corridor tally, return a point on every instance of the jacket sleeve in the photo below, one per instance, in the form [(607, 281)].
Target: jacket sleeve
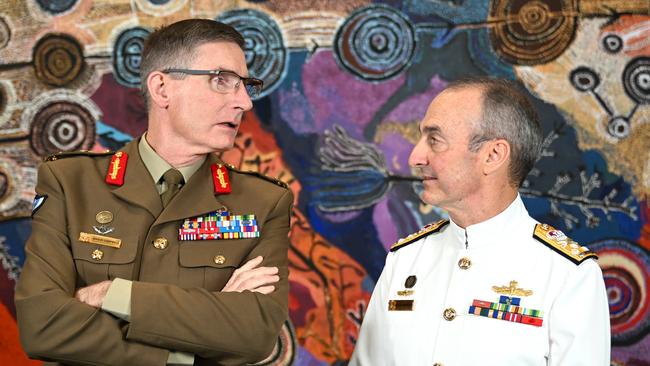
[(246, 324), (579, 320), (53, 325)]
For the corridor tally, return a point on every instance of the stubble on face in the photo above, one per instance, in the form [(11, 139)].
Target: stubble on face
[(450, 171), (207, 120)]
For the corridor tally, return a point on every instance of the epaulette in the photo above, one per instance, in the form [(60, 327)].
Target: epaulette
[(259, 175), (556, 240), (425, 231), (69, 154)]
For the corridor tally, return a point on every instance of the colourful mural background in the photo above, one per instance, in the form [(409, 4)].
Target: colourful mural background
[(346, 85)]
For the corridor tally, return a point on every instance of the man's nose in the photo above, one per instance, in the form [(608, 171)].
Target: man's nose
[(242, 99), (418, 155)]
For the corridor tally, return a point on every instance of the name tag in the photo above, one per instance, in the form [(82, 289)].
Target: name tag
[(400, 305), (100, 240)]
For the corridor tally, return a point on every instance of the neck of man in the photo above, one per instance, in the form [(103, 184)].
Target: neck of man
[(483, 205), (174, 151)]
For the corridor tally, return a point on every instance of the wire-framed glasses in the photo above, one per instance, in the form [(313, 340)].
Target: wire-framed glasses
[(224, 81)]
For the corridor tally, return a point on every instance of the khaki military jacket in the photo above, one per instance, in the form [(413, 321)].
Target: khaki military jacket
[(175, 300)]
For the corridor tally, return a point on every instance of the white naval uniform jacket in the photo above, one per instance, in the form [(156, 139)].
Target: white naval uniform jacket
[(572, 299)]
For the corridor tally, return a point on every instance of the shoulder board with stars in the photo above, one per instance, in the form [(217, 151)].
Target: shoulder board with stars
[(259, 175), (556, 240), (425, 231), (70, 154)]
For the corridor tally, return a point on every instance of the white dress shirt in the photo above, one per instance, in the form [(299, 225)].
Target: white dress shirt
[(454, 268)]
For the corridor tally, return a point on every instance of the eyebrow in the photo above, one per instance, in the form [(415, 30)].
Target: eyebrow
[(431, 130), (232, 71)]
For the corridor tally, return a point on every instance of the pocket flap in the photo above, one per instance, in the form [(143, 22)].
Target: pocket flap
[(213, 253), (104, 253)]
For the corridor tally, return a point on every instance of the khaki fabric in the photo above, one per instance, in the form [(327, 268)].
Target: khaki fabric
[(176, 304)]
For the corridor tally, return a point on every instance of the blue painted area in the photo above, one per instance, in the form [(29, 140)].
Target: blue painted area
[(16, 231), (357, 237), (483, 55), (456, 11), (613, 224), (110, 137), (333, 190), (56, 6), (127, 54)]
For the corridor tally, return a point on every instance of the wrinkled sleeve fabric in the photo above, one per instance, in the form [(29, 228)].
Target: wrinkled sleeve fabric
[(369, 346), (246, 325), (53, 325), (579, 329), (118, 302)]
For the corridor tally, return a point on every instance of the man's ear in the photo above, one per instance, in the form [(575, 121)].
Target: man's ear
[(496, 156), (157, 86)]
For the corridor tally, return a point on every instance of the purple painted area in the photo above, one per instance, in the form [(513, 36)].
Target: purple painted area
[(295, 110), (632, 355), (414, 108), (123, 108), (339, 217), (336, 97), (304, 358), (396, 151), (7, 286), (395, 147), (383, 221)]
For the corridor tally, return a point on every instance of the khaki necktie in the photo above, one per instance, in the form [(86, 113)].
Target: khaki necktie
[(173, 179)]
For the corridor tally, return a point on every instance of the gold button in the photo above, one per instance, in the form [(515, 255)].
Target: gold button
[(160, 243), (464, 263), (449, 314), (219, 259), (97, 255)]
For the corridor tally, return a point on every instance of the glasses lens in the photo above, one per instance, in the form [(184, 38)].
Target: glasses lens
[(253, 87), (225, 81)]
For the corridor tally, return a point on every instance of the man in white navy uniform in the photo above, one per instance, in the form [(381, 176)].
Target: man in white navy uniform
[(490, 286)]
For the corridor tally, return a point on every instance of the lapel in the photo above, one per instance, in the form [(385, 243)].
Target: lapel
[(138, 188), (196, 197)]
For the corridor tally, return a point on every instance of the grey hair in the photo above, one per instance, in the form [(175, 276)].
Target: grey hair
[(507, 113), (174, 46)]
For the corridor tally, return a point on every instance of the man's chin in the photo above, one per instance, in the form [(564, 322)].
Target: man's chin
[(430, 198)]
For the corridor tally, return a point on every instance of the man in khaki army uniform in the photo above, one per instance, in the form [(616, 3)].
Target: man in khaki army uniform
[(159, 253), (490, 286)]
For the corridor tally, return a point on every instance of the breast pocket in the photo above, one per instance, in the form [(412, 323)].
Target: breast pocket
[(99, 262), (213, 261)]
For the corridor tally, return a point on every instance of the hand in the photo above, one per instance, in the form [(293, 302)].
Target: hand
[(247, 277), (93, 295)]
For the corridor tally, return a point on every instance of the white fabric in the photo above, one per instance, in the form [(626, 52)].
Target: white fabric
[(575, 329)]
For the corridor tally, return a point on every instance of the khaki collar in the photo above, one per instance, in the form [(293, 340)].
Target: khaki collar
[(157, 166)]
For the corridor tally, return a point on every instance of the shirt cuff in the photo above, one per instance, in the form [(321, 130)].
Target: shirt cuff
[(180, 358), (118, 299)]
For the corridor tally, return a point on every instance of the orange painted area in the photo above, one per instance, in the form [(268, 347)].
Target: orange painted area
[(634, 30), (334, 281), (332, 278), (11, 352)]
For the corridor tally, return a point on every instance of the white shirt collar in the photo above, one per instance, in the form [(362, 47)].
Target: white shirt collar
[(491, 230)]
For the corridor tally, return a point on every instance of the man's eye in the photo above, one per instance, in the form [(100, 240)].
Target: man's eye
[(221, 80), (433, 140)]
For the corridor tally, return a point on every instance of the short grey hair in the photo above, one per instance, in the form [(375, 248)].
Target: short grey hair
[(174, 45), (507, 113)]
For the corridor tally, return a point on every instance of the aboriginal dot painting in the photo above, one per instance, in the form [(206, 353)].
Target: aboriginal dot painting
[(346, 84)]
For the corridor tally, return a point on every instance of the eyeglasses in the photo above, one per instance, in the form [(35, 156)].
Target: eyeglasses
[(223, 81)]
